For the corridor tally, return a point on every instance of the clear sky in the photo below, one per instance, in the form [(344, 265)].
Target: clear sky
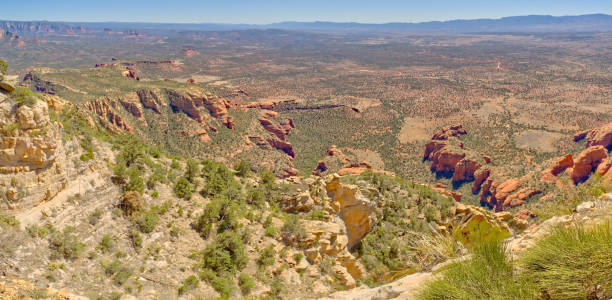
[(269, 11)]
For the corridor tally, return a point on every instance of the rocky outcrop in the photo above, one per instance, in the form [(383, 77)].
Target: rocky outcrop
[(130, 74), (133, 107), (32, 154), (328, 239), (297, 203), (465, 170), (601, 136), (150, 99), (109, 119), (29, 151), (282, 145), (280, 130), (586, 162), (185, 104), (443, 190), (217, 108), (448, 158), (189, 52), (355, 209)]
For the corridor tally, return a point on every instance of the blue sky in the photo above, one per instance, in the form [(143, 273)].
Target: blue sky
[(269, 11)]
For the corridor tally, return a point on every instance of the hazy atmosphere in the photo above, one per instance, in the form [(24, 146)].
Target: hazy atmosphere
[(337, 150)]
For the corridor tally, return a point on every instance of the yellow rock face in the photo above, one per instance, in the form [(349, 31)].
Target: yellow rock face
[(355, 209)]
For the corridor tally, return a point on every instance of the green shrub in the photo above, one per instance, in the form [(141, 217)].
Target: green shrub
[(277, 288), (267, 177), (266, 257), (95, 216), (192, 171), (148, 221), (255, 196), (223, 285), (40, 231), (488, 274), (65, 244), (293, 228), (24, 96), (246, 283), (190, 283), (6, 221), (175, 164), (572, 263), (119, 272), (3, 67), (226, 254), (183, 188), (271, 231), (135, 239), (106, 244), (242, 168)]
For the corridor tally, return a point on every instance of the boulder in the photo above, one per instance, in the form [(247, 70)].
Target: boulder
[(562, 164), (587, 161), (297, 203)]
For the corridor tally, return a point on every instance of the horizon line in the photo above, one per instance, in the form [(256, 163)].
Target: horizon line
[(316, 21)]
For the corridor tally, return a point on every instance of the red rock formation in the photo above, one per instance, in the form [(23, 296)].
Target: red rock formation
[(150, 100), (280, 130), (321, 167), (601, 136), (101, 108), (133, 108), (130, 74), (586, 162), (282, 145), (519, 198), (465, 170), (445, 160), (185, 104), (562, 164), (603, 168), (479, 178), (446, 132), (524, 214), (432, 147), (191, 81), (189, 52), (217, 108), (444, 191), (262, 105), (580, 135)]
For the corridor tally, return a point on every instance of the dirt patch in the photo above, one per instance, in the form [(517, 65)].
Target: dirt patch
[(198, 78), (539, 139), (415, 130)]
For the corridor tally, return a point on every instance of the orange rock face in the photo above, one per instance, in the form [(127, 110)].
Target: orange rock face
[(107, 115), (587, 161), (562, 164), (282, 145), (133, 108), (186, 105), (479, 178), (601, 136), (150, 100), (465, 170)]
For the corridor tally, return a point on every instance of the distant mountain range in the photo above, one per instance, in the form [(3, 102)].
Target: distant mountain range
[(532, 23)]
